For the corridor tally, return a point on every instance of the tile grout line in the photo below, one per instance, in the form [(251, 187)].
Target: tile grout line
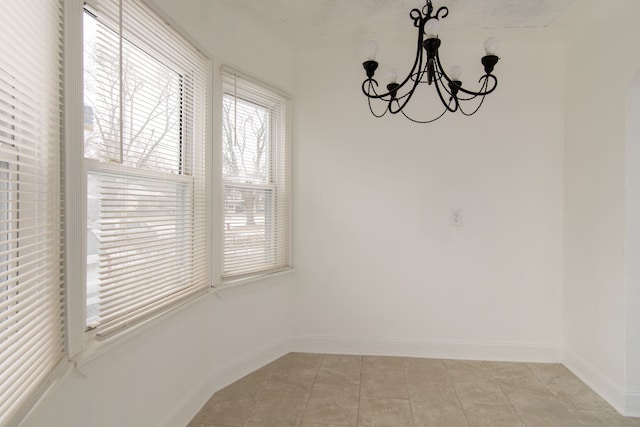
[(455, 391), (406, 384), (315, 379), (359, 390)]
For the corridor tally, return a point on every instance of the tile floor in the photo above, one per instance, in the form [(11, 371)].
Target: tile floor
[(315, 390)]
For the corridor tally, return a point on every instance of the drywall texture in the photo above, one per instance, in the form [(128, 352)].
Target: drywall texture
[(379, 267), (596, 316)]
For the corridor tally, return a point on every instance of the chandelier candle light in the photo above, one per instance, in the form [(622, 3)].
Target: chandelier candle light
[(428, 69)]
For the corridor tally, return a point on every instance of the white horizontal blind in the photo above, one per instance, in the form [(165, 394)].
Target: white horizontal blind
[(256, 177), (31, 298), (145, 124)]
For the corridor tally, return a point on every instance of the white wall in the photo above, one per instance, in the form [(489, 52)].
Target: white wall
[(600, 66), (378, 267), (164, 374)]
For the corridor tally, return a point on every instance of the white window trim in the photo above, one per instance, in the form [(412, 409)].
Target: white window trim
[(222, 284)]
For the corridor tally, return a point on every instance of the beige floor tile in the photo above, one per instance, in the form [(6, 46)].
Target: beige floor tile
[(384, 383), (337, 382), (511, 373), (294, 379), (323, 425), (525, 390), (208, 425), (226, 409), (480, 391), (381, 363), (548, 371), (585, 399), (492, 416), (567, 384), (295, 372), (431, 370), (275, 423), (438, 377), (466, 369), (297, 360), (248, 386), (279, 407), (603, 418), (338, 362), (420, 364), (340, 410), (312, 390), (432, 391), (545, 413), (434, 413), (384, 413)]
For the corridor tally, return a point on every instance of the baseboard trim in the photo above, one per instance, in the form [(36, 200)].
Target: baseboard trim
[(190, 404), (628, 404), (632, 404), (471, 350)]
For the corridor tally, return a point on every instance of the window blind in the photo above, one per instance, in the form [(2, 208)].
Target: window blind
[(31, 299), (256, 177), (145, 124)]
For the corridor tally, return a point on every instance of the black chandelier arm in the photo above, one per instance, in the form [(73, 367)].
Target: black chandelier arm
[(425, 121), (416, 16), (417, 64), (467, 91), (445, 12), (371, 85), (446, 103), (447, 88), (369, 89), (479, 104)]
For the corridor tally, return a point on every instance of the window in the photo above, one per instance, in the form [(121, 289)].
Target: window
[(256, 178), (144, 148), (31, 288)]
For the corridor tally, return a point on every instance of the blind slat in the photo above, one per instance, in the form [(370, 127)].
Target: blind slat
[(256, 176), (31, 299), (147, 241)]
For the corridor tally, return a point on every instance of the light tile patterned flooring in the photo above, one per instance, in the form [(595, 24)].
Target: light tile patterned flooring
[(315, 390)]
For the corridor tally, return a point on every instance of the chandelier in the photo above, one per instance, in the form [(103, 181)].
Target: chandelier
[(427, 69)]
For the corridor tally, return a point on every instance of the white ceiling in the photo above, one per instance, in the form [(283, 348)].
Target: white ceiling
[(343, 15)]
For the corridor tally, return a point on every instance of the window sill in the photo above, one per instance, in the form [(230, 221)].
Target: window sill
[(230, 288), (95, 349)]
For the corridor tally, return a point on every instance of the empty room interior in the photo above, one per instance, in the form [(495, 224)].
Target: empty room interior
[(510, 235)]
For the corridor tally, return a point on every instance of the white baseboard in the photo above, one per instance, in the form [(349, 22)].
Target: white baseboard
[(628, 404), (632, 404), (471, 350), (185, 409)]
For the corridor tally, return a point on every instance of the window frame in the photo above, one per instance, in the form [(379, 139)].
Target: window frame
[(83, 345), (279, 180)]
